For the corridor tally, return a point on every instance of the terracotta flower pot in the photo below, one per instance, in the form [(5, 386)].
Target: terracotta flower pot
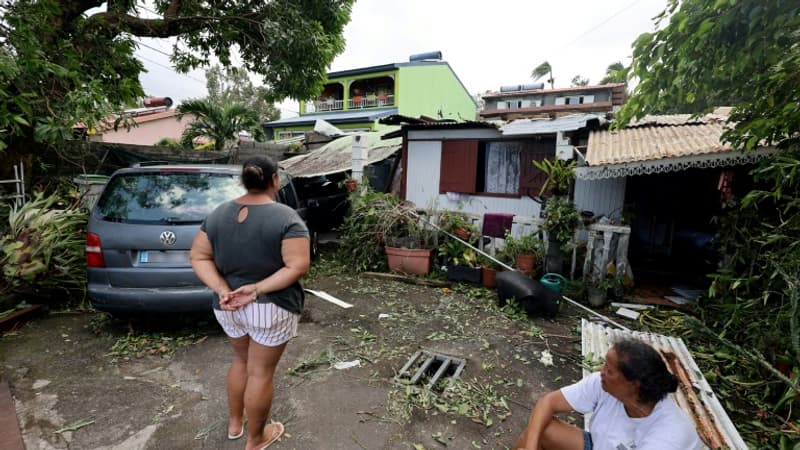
[(489, 277), (525, 263), (462, 234), (413, 261)]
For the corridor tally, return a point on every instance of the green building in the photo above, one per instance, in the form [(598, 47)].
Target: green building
[(354, 100)]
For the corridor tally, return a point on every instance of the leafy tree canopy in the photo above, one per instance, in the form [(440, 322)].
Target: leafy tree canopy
[(579, 80), (741, 53), (64, 62), (615, 73), (233, 85)]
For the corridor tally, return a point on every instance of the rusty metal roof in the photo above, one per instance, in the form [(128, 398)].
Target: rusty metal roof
[(694, 394), (595, 87), (337, 156), (647, 143)]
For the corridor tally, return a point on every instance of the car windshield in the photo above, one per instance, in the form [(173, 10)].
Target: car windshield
[(164, 197)]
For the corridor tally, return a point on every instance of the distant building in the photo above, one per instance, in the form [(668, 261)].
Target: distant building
[(147, 125), (533, 101), (355, 99)]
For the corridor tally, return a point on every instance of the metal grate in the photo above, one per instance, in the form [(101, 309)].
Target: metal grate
[(429, 368)]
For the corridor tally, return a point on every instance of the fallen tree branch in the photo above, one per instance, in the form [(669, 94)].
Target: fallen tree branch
[(753, 355)]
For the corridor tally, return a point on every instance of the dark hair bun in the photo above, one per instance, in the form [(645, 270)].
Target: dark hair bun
[(257, 173)]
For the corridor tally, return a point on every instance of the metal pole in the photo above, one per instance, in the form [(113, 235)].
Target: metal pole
[(22, 179), (507, 267)]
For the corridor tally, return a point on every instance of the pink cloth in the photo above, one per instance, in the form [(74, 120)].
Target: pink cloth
[(496, 224)]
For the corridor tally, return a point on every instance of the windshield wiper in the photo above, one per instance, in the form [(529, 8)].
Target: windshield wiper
[(179, 221)]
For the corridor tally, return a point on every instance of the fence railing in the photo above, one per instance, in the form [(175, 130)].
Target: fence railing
[(604, 243)]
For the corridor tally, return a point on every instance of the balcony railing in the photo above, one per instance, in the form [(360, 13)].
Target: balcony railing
[(375, 101), (324, 105), (371, 101)]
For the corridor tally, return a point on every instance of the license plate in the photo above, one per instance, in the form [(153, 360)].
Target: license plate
[(174, 256)]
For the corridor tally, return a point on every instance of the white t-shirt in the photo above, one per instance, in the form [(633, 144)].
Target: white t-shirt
[(666, 428)]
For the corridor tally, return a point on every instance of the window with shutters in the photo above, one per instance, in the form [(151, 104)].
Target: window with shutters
[(501, 168)]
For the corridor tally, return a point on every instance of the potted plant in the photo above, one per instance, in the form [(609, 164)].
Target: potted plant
[(461, 261), (561, 218), (523, 251), (409, 240), (458, 224), (489, 271), (560, 174), (597, 290)]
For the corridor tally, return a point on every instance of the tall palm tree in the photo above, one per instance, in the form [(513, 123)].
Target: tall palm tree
[(221, 123), (615, 73), (542, 70)]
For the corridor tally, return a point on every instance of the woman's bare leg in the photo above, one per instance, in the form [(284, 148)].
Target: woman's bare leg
[(236, 383), (261, 364), (557, 435)]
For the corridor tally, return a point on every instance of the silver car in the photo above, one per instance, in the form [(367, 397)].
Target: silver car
[(140, 231)]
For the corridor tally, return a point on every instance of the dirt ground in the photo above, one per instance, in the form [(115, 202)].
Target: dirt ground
[(82, 381)]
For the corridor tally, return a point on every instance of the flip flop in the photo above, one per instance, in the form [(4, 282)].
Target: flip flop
[(234, 437), (274, 438)]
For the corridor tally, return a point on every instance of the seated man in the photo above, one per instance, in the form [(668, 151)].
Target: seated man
[(629, 405)]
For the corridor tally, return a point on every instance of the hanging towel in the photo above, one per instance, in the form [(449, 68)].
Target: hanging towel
[(496, 224)]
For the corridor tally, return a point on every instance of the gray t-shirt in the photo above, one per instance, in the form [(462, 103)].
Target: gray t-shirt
[(250, 251)]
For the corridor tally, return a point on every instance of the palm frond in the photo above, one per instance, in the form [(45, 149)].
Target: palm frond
[(541, 70)]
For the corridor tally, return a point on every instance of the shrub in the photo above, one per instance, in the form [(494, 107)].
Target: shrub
[(43, 249)]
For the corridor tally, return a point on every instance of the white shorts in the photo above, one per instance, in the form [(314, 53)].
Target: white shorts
[(265, 323)]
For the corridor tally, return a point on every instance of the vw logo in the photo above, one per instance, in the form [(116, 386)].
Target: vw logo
[(168, 238)]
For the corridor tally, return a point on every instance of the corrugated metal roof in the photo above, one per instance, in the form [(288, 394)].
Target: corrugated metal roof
[(449, 125), (653, 143), (384, 68), (334, 117), (540, 126), (337, 156), (694, 394)]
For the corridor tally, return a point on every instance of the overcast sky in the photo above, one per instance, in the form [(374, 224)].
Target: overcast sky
[(487, 43)]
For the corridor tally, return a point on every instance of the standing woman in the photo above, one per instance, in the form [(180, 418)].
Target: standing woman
[(629, 405), (252, 252)]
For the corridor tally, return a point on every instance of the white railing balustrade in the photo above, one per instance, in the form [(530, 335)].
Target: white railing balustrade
[(604, 243)]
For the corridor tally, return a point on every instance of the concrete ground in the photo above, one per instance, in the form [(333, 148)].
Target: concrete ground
[(82, 381)]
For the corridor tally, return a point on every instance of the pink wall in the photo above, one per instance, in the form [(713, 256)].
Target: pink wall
[(148, 132)]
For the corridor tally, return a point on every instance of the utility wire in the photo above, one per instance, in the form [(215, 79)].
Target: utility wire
[(580, 36), (157, 50), (173, 70)]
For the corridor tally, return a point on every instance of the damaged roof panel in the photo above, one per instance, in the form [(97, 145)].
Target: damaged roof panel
[(337, 156), (694, 394), (571, 122), (334, 117)]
